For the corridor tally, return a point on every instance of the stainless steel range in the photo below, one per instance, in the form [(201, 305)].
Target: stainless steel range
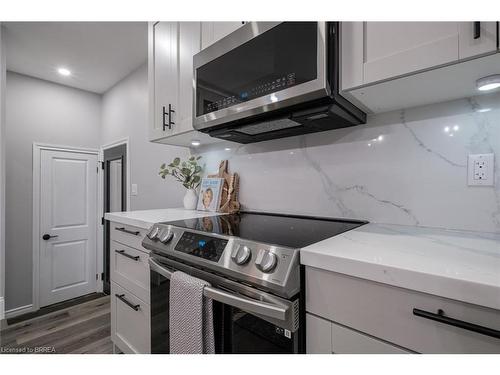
[(252, 263)]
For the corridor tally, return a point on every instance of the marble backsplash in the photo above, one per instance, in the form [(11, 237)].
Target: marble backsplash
[(403, 167)]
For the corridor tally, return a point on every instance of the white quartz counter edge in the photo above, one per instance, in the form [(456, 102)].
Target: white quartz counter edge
[(146, 218), (457, 265)]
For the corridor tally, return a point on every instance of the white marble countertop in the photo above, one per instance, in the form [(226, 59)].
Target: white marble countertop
[(146, 218), (464, 266)]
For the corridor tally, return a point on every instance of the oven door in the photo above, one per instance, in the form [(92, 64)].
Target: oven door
[(246, 320), (261, 67)]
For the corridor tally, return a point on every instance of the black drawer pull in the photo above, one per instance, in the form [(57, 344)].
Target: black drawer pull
[(127, 302), (122, 229), (122, 252), (440, 317), (477, 29)]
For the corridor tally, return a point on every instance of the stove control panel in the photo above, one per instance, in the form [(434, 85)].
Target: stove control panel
[(274, 268)]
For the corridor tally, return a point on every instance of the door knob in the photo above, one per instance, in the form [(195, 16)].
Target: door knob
[(47, 237)]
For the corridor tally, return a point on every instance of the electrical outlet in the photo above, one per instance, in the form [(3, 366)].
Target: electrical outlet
[(480, 169)]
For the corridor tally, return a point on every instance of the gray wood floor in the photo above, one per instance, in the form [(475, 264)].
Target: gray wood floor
[(84, 328)]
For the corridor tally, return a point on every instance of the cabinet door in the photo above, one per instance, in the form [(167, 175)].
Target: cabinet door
[(480, 43), (163, 77), (393, 49), (189, 45), (130, 321), (213, 31), (318, 335)]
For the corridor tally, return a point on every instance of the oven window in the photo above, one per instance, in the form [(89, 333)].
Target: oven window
[(160, 307), (282, 57), (160, 297), (248, 334)]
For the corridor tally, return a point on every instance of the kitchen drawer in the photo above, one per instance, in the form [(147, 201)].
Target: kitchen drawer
[(347, 341), (130, 269), (386, 312), (128, 235), (325, 337), (130, 326), (318, 335)]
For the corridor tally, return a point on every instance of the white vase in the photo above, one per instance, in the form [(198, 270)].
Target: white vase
[(190, 199)]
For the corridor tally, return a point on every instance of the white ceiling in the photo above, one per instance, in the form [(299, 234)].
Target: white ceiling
[(98, 54)]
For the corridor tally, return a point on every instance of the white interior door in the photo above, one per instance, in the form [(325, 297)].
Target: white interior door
[(68, 213)]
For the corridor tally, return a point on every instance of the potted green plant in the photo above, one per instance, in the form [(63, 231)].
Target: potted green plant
[(188, 173)]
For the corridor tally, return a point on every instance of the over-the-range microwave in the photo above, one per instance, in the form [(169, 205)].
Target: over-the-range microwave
[(271, 80)]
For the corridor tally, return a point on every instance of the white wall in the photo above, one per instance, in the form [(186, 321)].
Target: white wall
[(2, 172), (416, 174), (124, 114), (37, 111)]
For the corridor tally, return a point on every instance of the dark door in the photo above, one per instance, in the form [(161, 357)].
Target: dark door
[(115, 196)]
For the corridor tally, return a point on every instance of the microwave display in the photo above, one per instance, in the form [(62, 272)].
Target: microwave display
[(280, 58)]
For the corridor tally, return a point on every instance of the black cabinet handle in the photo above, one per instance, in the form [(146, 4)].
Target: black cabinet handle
[(47, 237), (122, 252), (127, 302), (170, 111), (441, 318), (169, 114), (164, 122), (477, 29), (128, 231)]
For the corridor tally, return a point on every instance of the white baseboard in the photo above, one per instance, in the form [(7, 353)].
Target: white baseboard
[(2, 308), (19, 311)]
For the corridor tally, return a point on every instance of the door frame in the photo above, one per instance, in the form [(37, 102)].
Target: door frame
[(100, 253), (123, 141), (37, 151)]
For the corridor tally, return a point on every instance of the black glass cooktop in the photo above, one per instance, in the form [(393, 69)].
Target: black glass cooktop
[(284, 230)]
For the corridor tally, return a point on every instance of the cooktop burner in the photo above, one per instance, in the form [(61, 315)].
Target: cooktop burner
[(284, 230)]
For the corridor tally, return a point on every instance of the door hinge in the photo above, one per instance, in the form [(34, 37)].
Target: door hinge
[(102, 220), (97, 276), (102, 276), (102, 165)]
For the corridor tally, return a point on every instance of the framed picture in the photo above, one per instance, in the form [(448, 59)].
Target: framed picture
[(210, 194)]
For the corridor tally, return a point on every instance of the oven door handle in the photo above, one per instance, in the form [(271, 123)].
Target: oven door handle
[(270, 310)]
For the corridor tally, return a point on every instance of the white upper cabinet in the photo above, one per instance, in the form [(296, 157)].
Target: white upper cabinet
[(473, 42), (213, 31), (397, 48), (163, 78), (171, 48), (377, 51)]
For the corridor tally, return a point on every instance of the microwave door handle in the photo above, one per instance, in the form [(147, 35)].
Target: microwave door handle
[(251, 305)]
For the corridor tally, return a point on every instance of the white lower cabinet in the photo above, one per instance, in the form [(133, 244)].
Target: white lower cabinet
[(130, 321), (318, 335), (130, 306), (326, 337), (370, 317)]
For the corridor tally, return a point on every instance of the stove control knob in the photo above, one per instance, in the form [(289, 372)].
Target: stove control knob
[(166, 236), (266, 261), (153, 233), (241, 255)]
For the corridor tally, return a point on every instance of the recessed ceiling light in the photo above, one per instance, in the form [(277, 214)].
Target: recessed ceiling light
[(195, 142), (488, 83), (227, 149), (64, 72)]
